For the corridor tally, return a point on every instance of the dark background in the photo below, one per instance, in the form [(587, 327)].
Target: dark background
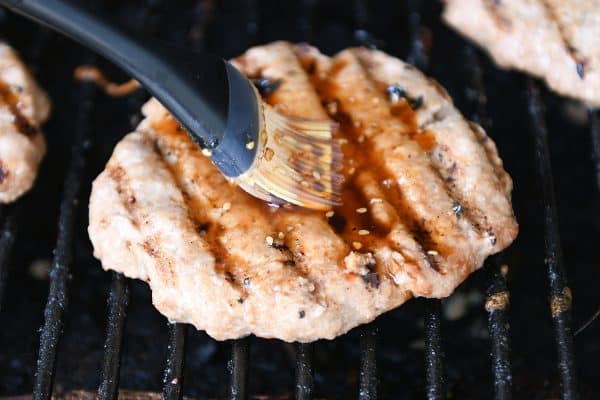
[(228, 28)]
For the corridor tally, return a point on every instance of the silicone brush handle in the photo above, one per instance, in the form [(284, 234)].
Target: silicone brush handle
[(215, 103)]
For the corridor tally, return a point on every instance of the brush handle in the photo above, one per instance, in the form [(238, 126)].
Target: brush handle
[(202, 91)]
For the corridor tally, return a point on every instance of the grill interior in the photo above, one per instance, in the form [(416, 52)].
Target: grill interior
[(100, 332)]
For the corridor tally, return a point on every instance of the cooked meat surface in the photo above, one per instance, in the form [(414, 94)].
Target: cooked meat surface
[(557, 40), (23, 108), (426, 200)]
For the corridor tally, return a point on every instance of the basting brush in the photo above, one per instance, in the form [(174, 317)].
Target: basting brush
[(274, 157)]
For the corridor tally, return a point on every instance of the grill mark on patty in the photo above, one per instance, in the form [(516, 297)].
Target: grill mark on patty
[(428, 238), (224, 262), (581, 62), (446, 163), (171, 138), (294, 96), (150, 245), (473, 215), (339, 222), (21, 123)]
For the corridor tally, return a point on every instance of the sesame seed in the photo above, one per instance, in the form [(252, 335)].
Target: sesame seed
[(329, 214), (304, 183), (250, 145), (269, 153), (376, 200), (432, 252), (351, 170), (207, 152), (363, 232), (357, 245), (316, 175), (269, 240), (227, 206), (361, 210), (280, 235)]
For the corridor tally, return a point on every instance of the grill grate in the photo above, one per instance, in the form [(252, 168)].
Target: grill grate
[(238, 365), (117, 303), (8, 234), (173, 375), (57, 297), (560, 293)]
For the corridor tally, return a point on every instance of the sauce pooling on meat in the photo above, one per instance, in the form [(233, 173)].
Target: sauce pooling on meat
[(363, 221)]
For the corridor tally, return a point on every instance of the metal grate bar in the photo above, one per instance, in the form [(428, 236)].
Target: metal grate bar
[(496, 305), (238, 369), (435, 382), (497, 294), (304, 371), (595, 138), (173, 375), (57, 297), (560, 293), (8, 232), (368, 363), (117, 303)]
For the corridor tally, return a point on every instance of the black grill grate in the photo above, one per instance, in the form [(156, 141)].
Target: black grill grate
[(117, 303), (238, 365), (560, 293), (63, 255)]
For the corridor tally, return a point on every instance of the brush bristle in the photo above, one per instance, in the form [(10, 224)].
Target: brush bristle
[(298, 162)]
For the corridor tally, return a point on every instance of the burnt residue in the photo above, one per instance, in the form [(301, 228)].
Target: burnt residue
[(396, 93), (266, 86), (371, 278), (3, 173), (457, 208), (432, 262), (229, 277), (450, 172), (491, 236), (301, 314), (280, 246), (581, 62), (203, 228)]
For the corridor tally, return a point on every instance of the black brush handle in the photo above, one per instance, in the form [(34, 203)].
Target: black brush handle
[(207, 95)]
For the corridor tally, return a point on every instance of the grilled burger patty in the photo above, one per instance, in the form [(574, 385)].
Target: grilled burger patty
[(557, 40), (23, 108), (426, 200)]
